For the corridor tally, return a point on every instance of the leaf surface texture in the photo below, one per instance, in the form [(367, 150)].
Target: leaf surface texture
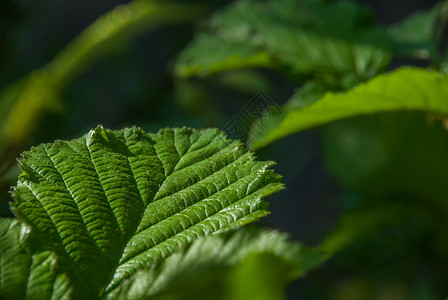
[(114, 202)]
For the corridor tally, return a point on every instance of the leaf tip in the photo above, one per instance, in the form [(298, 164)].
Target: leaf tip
[(98, 133)]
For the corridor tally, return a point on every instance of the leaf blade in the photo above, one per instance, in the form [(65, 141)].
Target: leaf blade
[(27, 272), (113, 202), (218, 260), (403, 89), (308, 38)]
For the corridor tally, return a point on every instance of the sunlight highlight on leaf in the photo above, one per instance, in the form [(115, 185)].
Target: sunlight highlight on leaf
[(114, 202)]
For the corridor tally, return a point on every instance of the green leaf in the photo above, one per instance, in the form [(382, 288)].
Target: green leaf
[(246, 264), (306, 37), (114, 202), (420, 34), (28, 274), (202, 57), (403, 89)]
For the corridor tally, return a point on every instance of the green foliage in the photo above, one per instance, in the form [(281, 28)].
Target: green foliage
[(421, 34), (130, 215), (377, 154), (248, 263), (336, 43), (404, 89), (29, 270), (111, 203), (334, 40)]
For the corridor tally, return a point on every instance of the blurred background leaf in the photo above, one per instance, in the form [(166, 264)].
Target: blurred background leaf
[(336, 40), (420, 35), (413, 89)]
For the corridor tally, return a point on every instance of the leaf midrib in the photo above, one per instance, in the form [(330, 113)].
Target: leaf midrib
[(187, 207), (226, 208), (136, 226)]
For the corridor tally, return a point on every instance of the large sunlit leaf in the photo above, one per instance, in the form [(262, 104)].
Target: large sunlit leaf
[(112, 203), (246, 264), (306, 37), (404, 89)]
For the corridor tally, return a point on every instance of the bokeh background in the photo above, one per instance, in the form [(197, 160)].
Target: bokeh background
[(132, 83)]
